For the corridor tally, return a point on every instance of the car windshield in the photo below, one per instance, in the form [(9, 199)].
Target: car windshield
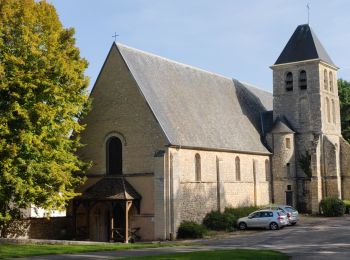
[(290, 209), (281, 213)]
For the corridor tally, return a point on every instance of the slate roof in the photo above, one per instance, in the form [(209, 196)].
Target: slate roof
[(110, 188), (303, 45), (196, 108), (281, 127), (266, 121)]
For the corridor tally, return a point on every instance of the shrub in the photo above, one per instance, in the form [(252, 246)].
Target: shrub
[(191, 229), (216, 220), (347, 206), (241, 211), (332, 207)]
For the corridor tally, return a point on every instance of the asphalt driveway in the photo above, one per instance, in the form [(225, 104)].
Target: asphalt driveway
[(312, 238)]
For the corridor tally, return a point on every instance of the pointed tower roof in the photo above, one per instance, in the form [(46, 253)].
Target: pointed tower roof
[(303, 45)]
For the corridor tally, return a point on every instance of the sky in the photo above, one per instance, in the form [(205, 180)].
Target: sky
[(238, 39)]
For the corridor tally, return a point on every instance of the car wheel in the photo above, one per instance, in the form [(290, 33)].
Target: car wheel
[(274, 226), (242, 226), (293, 223)]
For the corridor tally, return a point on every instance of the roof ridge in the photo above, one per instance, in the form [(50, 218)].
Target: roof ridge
[(173, 61), (186, 65)]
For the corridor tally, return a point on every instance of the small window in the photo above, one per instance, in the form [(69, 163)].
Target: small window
[(325, 79), (238, 168), (198, 167), (288, 170), (289, 187), (288, 143), (331, 81), (302, 80), (289, 81)]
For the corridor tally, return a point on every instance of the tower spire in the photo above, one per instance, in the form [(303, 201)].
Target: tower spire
[(308, 13)]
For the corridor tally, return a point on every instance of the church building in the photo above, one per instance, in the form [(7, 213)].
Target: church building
[(170, 142)]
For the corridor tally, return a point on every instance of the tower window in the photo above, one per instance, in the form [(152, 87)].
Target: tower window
[(333, 111), (331, 81), (238, 168), (289, 81), (288, 170), (325, 79), (198, 167), (328, 110), (302, 80), (288, 143)]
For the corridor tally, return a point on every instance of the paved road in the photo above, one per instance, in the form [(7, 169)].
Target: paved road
[(313, 238)]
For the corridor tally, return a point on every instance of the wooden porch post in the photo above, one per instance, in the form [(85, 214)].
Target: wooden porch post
[(74, 219), (112, 227), (127, 207), (88, 221)]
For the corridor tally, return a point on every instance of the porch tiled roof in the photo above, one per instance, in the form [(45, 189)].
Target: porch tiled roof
[(111, 188)]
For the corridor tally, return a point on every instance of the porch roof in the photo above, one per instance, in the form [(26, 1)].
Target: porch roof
[(110, 188)]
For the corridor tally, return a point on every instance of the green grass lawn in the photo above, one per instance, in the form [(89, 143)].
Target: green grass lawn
[(220, 255), (10, 250)]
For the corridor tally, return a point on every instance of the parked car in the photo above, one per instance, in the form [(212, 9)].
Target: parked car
[(272, 219), (292, 213)]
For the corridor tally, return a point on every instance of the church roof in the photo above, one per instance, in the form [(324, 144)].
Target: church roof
[(196, 108), (303, 45)]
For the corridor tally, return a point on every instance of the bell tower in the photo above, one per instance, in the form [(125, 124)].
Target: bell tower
[(305, 94), (305, 85)]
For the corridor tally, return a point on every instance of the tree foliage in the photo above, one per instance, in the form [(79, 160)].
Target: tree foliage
[(43, 92), (344, 98)]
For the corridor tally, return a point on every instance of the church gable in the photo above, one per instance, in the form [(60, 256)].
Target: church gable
[(120, 110)]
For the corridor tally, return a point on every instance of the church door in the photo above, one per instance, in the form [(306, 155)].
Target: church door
[(99, 223), (289, 198)]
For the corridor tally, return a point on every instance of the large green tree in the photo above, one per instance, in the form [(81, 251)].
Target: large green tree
[(344, 97), (43, 92)]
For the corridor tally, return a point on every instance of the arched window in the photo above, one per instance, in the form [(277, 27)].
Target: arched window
[(114, 156), (267, 169), (333, 111), (198, 167), (325, 79), (328, 110), (289, 81), (238, 168), (302, 80), (331, 81)]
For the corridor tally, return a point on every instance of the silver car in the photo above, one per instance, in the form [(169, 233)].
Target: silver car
[(272, 219), (292, 213)]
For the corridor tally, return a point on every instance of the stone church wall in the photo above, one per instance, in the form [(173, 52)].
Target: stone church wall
[(345, 167), (119, 109), (56, 228), (301, 107), (284, 168), (332, 174), (218, 187)]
